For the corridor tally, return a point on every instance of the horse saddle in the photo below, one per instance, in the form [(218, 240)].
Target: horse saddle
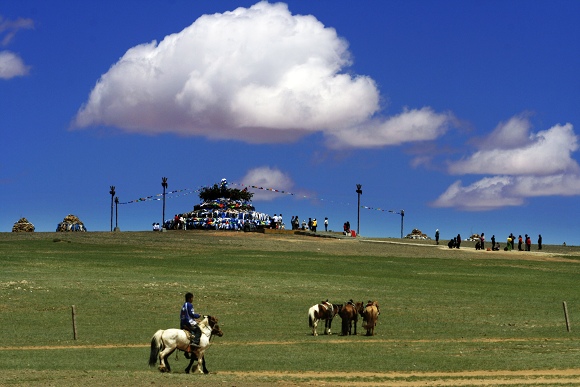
[(188, 334)]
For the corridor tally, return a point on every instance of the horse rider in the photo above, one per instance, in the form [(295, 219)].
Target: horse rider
[(188, 323)]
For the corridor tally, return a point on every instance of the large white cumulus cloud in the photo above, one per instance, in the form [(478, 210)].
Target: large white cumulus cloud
[(257, 74)]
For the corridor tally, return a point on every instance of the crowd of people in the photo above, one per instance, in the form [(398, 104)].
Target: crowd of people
[(220, 220), (524, 243), (311, 225), (235, 220)]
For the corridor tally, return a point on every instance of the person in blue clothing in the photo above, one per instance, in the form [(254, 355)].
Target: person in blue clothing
[(187, 318)]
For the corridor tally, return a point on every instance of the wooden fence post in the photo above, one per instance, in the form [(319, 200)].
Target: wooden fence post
[(566, 316), (74, 321)]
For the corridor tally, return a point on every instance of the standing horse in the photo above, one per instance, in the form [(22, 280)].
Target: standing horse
[(359, 307), (323, 311), (349, 315), (165, 342), (370, 316)]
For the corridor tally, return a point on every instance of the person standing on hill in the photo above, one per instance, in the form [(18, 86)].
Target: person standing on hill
[(437, 236), (458, 242), (482, 241), (528, 243), (493, 242), (326, 224), (540, 242), (187, 318)]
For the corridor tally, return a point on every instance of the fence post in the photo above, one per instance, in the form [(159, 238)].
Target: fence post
[(566, 316), (74, 321)]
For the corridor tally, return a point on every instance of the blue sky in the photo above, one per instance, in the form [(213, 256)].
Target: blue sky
[(464, 114)]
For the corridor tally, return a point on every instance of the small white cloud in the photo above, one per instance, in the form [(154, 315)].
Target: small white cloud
[(554, 185), (545, 153), (11, 65), (501, 191), (486, 194), (9, 28), (258, 75), (267, 178), (409, 126)]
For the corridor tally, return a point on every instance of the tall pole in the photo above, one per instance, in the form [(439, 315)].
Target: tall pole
[(402, 217), (359, 192), (112, 192), (164, 185), (116, 213)]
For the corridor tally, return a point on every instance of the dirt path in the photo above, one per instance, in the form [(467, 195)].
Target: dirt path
[(546, 377), (568, 377)]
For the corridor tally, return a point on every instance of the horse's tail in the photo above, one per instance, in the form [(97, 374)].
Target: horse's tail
[(155, 347)]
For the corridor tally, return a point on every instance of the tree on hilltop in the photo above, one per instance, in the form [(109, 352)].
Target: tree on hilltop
[(215, 192)]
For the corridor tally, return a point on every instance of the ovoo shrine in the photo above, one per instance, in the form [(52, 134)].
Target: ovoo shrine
[(221, 208)]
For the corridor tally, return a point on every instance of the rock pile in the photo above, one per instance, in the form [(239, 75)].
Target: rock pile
[(23, 225), (417, 234), (70, 223)]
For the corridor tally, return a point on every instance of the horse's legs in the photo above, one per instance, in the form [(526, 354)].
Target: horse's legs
[(191, 360), (201, 364), (163, 362), (327, 326), (205, 371), (314, 325)]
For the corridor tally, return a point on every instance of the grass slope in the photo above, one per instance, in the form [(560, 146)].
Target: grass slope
[(441, 310)]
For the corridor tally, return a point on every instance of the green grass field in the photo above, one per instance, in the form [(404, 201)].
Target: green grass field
[(451, 315)]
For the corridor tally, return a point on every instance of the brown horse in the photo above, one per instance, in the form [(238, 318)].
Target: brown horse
[(370, 316), (349, 314)]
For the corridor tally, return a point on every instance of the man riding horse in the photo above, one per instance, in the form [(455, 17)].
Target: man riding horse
[(188, 323)]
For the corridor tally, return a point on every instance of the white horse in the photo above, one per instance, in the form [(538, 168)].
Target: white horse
[(324, 311), (165, 342)]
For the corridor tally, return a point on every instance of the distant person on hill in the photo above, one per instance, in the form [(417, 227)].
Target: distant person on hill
[(493, 242), (437, 236), (458, 242), (540, 242), (451, 243), (326, 224), (528, 243)]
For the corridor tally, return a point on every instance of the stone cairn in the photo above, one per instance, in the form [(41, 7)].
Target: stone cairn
[(23, 225), (70, 223), (417, 234)]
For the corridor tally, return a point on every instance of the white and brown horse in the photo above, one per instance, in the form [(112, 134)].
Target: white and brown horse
[(165, 342), (370, 316), (323, 311)]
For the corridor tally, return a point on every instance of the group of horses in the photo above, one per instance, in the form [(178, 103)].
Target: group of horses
[(349, 312), (165, 341)]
